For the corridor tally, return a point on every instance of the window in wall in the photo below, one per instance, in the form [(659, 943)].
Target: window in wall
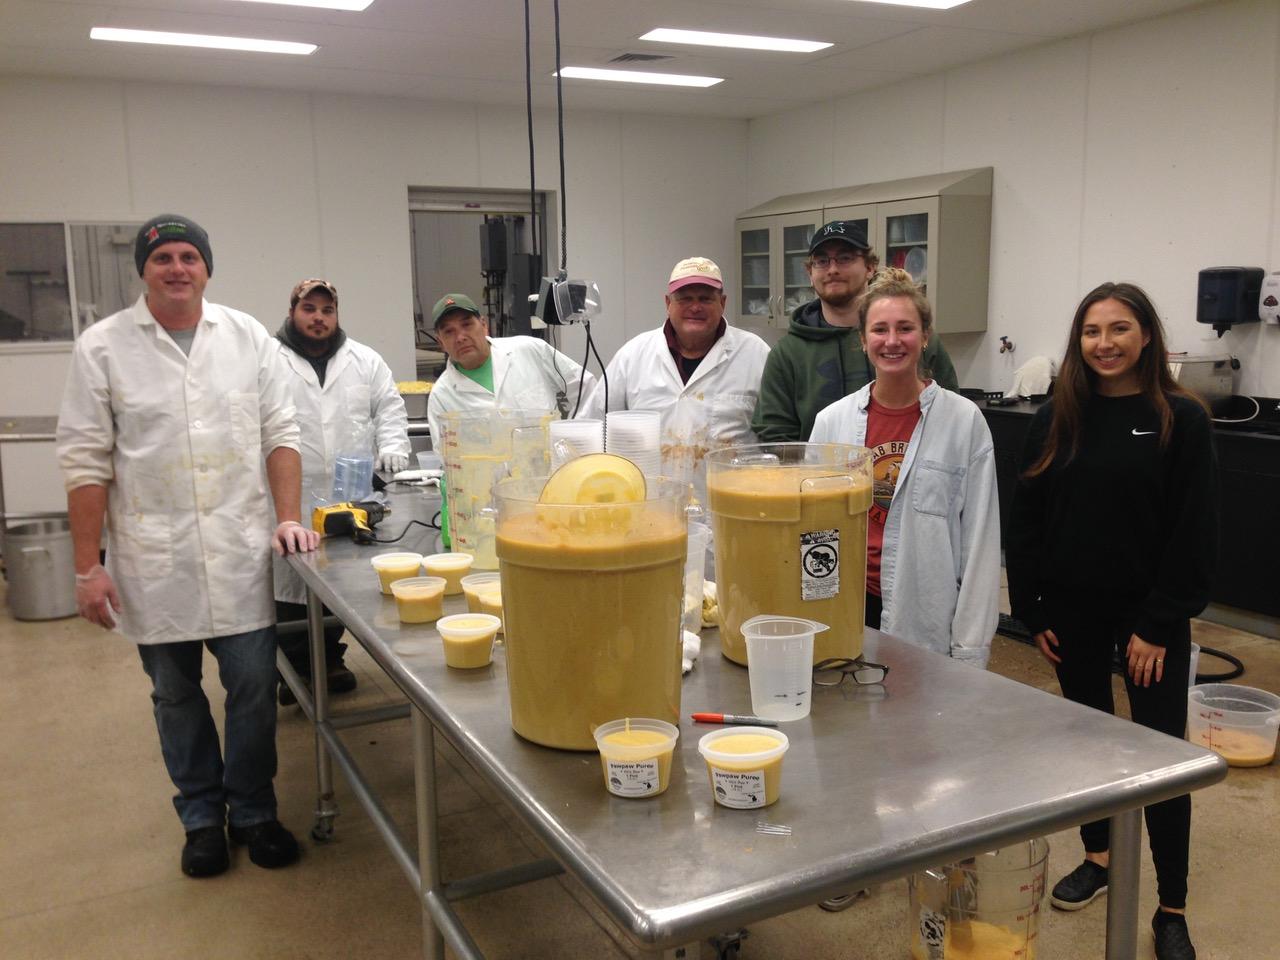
[(57, 278)]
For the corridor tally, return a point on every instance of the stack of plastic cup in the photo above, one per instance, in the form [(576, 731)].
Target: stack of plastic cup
[(636, 435), (574, 438), (694, 573)]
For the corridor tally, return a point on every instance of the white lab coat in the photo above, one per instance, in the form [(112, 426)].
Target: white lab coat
[(528, 373), (180, 443), (712, 410), (358, 393), (940, 562)]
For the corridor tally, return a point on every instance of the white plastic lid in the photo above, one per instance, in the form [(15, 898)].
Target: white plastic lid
[(625, 750), (463, 626), (418, 583), (393, 559), (707, 745)]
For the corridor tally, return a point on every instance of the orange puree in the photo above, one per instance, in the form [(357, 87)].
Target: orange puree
[(736, 783), (760, 515), (451, 566), (591, 608), (634, 758), (419, 603)]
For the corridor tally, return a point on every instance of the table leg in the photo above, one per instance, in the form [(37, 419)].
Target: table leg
[(326, 806), (424, 778), (1122, 885)]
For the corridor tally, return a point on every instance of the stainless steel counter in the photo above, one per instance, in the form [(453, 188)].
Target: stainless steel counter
[(944, 761)]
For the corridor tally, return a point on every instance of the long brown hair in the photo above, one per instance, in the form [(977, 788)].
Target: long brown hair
[(1077, 382)]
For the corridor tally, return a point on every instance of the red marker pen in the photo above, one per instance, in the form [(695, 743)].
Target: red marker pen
[(733, 718)]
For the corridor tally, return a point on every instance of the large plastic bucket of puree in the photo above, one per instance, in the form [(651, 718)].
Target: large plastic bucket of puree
[(591, 598), (790, 524)]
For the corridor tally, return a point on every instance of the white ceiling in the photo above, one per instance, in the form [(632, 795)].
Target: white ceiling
[(473, 50)]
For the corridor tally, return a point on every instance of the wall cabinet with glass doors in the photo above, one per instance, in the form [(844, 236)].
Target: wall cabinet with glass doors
[(937, 228)]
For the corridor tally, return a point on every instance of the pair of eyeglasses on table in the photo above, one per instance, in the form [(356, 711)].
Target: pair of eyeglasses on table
[(833, 671)]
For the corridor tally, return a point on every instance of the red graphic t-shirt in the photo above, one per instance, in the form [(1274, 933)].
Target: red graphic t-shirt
[(888, 432)]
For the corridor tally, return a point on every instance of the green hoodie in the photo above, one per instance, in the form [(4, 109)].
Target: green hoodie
[(813, 366)]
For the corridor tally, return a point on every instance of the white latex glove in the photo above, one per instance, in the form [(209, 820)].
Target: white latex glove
[(392, 462), (96, 597), (692, 648), (293, 537)]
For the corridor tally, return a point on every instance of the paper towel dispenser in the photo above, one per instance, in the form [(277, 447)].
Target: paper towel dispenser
[(1228, 295)]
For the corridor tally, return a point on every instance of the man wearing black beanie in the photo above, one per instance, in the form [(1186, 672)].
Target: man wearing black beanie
[(175, 422)]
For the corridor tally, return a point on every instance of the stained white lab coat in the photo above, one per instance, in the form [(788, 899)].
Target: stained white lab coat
[(358, 394), (712, 410), (180, 443), (528, 373)]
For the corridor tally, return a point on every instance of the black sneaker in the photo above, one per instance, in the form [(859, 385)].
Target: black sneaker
[(205, 852), (270, 844), (1080, 887), (1173, 941), (286, 697), (341, 680)]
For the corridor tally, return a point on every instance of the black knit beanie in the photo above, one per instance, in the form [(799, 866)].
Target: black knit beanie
[(171, 228)]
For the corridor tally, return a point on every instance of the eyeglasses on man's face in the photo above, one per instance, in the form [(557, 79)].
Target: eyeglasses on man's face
[(832, 671), (841, 260)]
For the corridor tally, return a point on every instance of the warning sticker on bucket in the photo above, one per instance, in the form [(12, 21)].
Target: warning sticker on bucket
[(819, 564)]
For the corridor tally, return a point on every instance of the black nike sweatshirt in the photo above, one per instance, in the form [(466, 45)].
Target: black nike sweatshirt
[(1123, 526)]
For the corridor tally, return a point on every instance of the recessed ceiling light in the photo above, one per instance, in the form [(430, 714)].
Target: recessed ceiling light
[(737, 40), (201, 40), (638, 76), (356, 5), (930, 4)]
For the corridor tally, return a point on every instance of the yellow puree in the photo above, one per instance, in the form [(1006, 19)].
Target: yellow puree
[(978, 940), (391, 572), (1240, 748), (473, 592), (759, 514), (419, 604), (452, 569), (749, 743), (639, 738), (467, 652), (592, 618), (489, 600)]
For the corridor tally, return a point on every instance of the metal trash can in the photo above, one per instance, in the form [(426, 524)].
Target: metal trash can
[(40, 567)]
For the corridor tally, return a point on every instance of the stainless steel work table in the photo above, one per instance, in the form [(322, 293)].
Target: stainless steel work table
[(942, 762)]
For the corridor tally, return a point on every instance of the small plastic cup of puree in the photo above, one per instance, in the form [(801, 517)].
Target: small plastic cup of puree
[(636, 756), (468, 639), (419, 599), (452, 566), (395, 566), (474, 583), (489, 600), (744, 765)]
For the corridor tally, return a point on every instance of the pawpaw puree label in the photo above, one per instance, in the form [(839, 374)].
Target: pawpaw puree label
[(791, 540), (744, 766), (635, 756), (591, 595)]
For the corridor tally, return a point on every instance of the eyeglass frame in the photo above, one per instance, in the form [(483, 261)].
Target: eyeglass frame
[(825, 263), (847, 667)]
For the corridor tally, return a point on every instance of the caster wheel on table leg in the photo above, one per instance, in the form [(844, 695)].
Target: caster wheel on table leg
[(728, 945), (322, 832)]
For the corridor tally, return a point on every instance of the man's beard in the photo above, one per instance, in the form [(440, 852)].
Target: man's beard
[(840, 300)]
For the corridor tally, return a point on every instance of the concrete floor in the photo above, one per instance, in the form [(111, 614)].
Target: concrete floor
[(89, 859)]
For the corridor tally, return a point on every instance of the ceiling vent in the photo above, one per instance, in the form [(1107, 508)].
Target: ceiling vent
[(640, 58)]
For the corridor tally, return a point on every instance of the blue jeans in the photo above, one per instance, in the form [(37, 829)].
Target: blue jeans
[(207, 787)]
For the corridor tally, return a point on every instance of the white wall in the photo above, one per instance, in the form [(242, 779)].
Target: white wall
[(1144, 153), (291, 185)]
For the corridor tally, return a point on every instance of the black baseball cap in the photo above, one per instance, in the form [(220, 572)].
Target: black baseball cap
[(851, 232)]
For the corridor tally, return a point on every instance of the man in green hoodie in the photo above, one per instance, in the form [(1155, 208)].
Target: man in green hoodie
[(820, 358)]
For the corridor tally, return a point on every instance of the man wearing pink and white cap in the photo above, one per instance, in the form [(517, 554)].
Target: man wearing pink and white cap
[(701, 373)]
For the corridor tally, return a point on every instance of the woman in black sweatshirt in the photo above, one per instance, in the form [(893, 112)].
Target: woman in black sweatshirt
[(1112, 546)]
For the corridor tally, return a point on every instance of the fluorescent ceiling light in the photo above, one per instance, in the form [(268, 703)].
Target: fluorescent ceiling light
[(201, 40), (737, 40), (930, 4), (638, 76), (356, 5)]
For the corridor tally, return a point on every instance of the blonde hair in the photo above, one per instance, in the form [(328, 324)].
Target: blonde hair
[(889, 283)]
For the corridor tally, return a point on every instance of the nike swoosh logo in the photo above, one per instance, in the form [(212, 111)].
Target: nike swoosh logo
[(1142, 433)]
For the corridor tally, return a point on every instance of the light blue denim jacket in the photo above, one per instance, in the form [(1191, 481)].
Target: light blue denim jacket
[(940, 562)]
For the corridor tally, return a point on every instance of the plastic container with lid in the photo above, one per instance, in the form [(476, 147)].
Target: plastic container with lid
[(635, 755), (395, 566), (1237, 722), (744, 765), (451, 566), (474, 584), (468, 639), (419, 599)]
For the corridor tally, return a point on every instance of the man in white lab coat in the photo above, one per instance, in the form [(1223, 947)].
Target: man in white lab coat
[(703, 374), (339, 388), (175, 421), (513, 372)]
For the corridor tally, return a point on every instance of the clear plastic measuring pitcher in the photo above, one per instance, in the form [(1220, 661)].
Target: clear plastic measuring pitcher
[(481, 447), (790, 523), (780, 661), (591, 597)]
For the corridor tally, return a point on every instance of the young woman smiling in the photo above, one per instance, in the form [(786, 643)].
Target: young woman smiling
[(933, 537), (1112, 547)]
